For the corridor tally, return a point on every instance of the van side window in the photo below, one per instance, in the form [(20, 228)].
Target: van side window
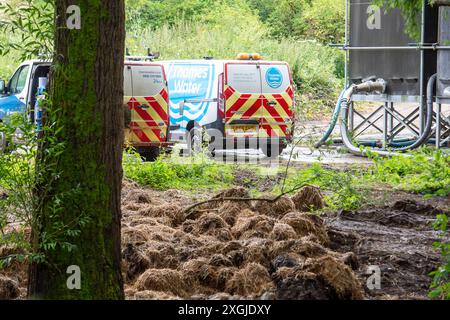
[(19, 80)]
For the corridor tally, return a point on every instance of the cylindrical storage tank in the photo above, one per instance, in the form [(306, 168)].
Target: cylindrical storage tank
[(374, 27), (444, 55)]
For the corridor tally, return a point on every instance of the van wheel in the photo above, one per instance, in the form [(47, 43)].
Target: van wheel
[(273, 150), (195, 141), (149, 154)]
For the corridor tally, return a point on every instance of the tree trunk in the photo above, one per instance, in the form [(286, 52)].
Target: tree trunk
[(86, 94)]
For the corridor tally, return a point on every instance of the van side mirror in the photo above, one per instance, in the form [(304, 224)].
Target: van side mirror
[(2, 86)]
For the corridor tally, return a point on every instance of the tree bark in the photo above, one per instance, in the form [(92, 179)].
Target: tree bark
[(86, 97)]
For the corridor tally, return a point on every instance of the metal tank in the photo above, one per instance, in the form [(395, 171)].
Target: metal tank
[(397, 74), (380, 48)]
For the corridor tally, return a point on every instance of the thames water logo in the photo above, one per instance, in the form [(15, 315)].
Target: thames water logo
[(274, 78)]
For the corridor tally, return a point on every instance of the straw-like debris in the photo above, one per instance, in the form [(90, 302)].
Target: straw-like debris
[(230, 250), (309, 198), (9, 288)]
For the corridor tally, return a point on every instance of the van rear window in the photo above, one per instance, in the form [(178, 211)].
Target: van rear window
[(258, 78), (275, 78), (244, 78), (147, 80)]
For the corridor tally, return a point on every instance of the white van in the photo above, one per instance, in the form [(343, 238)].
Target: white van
[(146, 100), (249, 101)]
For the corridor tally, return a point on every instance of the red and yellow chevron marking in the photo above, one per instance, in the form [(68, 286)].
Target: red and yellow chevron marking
[(148, 125), (272, 119)]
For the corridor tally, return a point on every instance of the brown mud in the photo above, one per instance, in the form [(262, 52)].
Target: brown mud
[(278, 251), (397, 238)]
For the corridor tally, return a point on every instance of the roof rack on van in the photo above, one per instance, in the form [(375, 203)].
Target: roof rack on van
[(149, 57)]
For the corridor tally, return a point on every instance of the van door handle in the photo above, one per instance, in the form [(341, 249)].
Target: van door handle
[(144, 106), (271, 104)]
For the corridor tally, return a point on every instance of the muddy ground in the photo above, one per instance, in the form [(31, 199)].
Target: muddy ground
[(328, 258), (398, 238), (265, 250)]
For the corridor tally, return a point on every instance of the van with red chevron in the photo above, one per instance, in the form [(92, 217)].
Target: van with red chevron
[(146, 101), (248, 102)]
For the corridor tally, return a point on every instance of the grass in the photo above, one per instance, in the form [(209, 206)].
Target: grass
[(343, 190), (177, 172), (424, 172)]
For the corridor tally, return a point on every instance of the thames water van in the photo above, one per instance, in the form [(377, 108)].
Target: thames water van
[(146, 101), (249, 101), (147, 98)]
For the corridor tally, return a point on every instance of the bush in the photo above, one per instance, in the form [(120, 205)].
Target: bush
[(423, 172), (343, 189), (441, 277)]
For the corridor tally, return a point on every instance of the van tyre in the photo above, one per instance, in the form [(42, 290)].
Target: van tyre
[(195, 141), (149, 154), (273, 150)]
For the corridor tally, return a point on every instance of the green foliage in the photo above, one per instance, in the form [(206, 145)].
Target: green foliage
[(322, 20), (26, 32), (343, 190), (28, 28), (177, 172), (20, 206), (16, 184), (411, 12), (423, 172), (441, 277)]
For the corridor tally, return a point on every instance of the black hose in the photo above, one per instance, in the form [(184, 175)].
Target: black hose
[(419, 142), (429, 124)]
